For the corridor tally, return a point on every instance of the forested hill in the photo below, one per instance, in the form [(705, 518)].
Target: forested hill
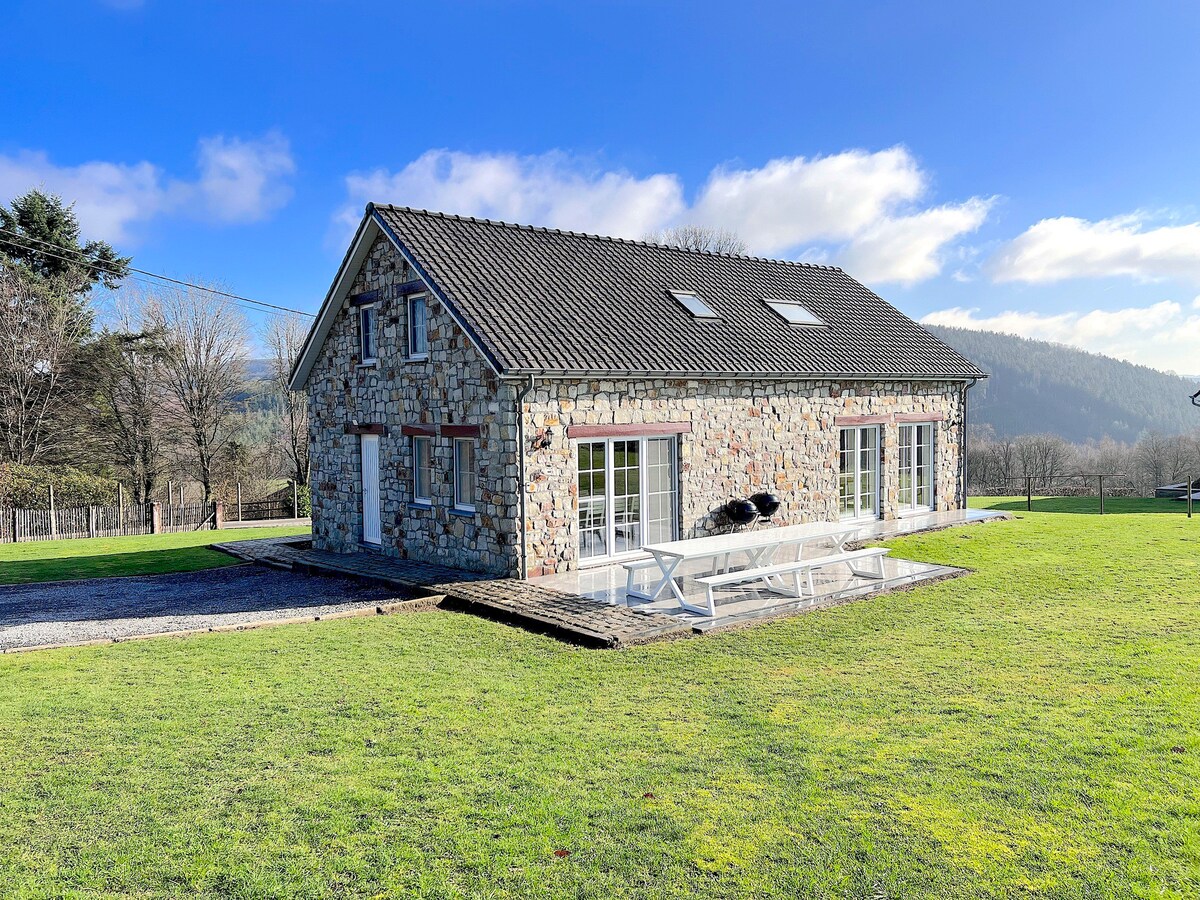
[(1037, 387)]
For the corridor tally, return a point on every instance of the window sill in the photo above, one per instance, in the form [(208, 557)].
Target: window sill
[(368, 364), (466, 511), (420, 504), (423, 357)]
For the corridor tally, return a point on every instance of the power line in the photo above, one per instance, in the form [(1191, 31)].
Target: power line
[(114, 270)]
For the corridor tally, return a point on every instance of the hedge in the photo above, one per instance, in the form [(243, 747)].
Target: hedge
[(25, 487)]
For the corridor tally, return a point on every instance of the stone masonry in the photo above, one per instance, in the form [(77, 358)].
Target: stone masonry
[(741, 437)]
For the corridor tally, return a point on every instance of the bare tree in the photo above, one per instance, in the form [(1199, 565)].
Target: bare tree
[(699, 237), (41, 335), (130, 394), (204, 366), (284, 337)]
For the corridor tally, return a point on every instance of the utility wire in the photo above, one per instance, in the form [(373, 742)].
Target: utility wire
[(114, 270)]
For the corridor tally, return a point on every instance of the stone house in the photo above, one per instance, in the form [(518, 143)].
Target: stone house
[(524, 401)]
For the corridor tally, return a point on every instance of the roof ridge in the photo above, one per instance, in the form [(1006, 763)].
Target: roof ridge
[(599, 237)]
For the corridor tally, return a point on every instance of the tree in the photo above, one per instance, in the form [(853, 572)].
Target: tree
[(204, 363), (36, 220), (129, 394), (699, 237), (284, 337), (40, 340)]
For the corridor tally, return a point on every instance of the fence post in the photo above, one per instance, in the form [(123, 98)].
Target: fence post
[(218, 509), (239, 492), (91, 521), (295, 500), (156, 523), (16, 521), (120, 508), (53, 518), (1101, 477), (1190, 485), (1029, 492)]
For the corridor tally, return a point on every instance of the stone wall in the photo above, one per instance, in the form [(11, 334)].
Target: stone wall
[(454, 385), (745, 437)]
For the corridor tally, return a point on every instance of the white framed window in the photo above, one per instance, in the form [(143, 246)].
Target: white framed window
[(464, 474), (418, 327), (691, 301), (793, 313), (915, 452), (628, 495), (422, 462), (858, 473), (367, 316)]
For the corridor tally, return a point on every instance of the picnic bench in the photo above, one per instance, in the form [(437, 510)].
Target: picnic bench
[(759, 549)]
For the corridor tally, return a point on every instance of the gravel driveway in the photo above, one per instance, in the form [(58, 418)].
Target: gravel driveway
[(66, 612)]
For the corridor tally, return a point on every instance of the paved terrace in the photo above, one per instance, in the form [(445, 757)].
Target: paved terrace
[(589, 606)]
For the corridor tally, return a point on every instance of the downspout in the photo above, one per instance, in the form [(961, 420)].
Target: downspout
[(962, 441), (521, 395)]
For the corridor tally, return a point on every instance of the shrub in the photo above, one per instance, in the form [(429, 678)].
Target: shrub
[(25, 487)]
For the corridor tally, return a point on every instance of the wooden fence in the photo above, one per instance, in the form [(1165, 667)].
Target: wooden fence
[(103, 521)]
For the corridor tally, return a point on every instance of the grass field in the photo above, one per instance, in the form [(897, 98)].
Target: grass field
[(1031, 730), (152, 554)]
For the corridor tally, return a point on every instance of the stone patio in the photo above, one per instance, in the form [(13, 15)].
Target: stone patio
[(589, 606)]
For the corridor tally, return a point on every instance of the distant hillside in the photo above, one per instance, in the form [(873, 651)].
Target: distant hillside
[(1037, 386)]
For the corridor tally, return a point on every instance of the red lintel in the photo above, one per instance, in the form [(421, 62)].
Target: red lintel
[(631, 430), (463, 431), (862, 420), (418, 430), (920, 417), (365, 429)]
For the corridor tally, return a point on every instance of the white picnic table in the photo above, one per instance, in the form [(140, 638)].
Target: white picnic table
[(759, 547)]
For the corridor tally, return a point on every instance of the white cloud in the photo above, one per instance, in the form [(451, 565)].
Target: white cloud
[(244, 181), (857, 208), (239, 181), (1067, 247), (551, 190), (1162, 335)]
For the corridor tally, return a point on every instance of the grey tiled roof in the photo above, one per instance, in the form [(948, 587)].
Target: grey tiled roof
[(539, 300)]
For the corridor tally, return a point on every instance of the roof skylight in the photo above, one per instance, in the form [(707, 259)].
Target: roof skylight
[(691, 301), (793, 313)]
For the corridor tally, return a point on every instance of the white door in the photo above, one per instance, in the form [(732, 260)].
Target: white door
[(858, 478), (628, 495), (915, 489), (370, 488)]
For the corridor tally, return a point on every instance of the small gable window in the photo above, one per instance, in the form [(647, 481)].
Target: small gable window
[(793, 313), (366, 332), (691, 301), (418, 327)]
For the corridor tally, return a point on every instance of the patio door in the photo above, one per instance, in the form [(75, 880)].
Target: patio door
[(915, 488), (370, 489), (858, 475), (628, 495)]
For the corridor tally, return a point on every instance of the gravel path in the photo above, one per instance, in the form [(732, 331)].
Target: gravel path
[(67, 612)]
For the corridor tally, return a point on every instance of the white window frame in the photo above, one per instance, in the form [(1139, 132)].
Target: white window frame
[(415, 352), (419, 465), (368, 337), (912, 429), (857, 514), (460, 504), (644, 494)]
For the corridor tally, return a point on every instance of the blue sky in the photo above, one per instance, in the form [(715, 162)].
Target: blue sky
[(1019, 166)]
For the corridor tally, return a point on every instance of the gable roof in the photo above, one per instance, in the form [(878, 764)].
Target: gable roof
[(538, 301)]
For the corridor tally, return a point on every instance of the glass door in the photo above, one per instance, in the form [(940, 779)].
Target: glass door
[(916, 467), (628, 495), (858, 474)]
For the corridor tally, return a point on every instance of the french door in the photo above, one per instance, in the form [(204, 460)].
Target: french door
[(628, 495), (916, 467), (858, 474)]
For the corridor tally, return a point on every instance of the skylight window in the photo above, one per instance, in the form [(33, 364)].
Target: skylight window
[(691, 301), (793, 313)]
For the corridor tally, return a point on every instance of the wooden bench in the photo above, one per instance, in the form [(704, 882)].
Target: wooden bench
[(801, 567)]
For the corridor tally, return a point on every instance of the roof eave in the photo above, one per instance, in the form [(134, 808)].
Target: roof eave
[(742, 376)]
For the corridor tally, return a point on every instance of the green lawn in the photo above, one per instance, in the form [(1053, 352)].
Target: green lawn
[(1031, 730), (152, 554)]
